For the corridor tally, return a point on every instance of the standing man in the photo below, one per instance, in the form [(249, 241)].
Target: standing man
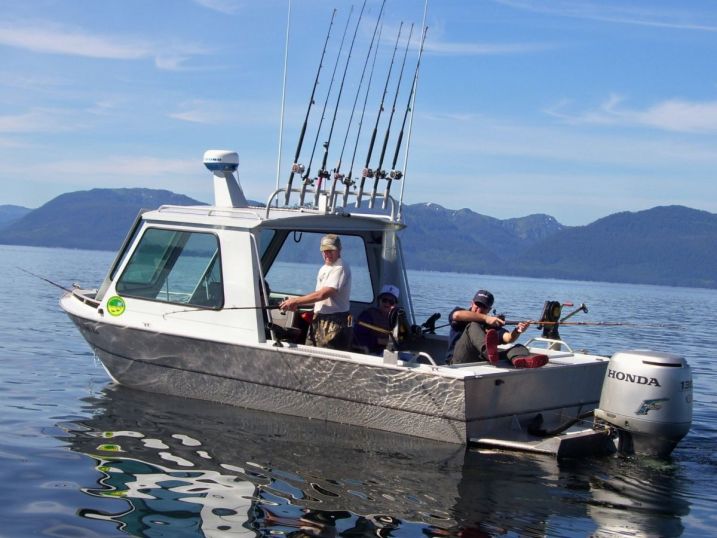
[(331, 300), (475, 336)]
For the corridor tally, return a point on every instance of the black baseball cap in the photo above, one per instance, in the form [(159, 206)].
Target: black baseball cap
[(483, 297)]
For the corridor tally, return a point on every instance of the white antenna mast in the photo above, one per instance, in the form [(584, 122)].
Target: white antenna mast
[(283, 95)]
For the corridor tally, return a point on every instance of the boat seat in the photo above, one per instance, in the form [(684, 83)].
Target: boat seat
[(211, 295)]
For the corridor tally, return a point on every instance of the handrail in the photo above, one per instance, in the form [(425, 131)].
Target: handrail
[(426, 355), (209, 211), (333, 210), (551, 343)]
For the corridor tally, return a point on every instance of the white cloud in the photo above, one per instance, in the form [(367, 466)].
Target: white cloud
[(619, 13), (52, 177), (482, 49), (671, 115), (30, 81), (49, 38), (677, 115), (9, 143), (227, 113), (229, 7), (437, 44), (39, 121), (571, 172), (125, 166), (489, 144), (573, 197), (104, 107), (178, 175)]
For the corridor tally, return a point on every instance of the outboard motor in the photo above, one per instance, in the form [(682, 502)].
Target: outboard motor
[(647, 397)]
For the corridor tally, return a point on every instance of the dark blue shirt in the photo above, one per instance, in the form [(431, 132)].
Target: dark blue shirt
[(457, 328)]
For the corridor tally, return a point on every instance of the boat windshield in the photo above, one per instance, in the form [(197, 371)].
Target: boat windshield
[(175, 267)]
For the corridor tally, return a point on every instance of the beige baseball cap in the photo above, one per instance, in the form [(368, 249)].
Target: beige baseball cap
[(330, 242)]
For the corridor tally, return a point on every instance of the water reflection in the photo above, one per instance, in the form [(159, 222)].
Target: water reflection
[(177, 467)]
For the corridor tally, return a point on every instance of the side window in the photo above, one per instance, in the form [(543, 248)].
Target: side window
[(175, 267), (296, 265)]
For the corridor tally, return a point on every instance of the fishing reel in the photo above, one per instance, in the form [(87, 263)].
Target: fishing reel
[(323, 174), (395, 175), (297, 168), (551, 315), (395, 317), (429, 326), (381, 174), (399, 328), (366, 172)]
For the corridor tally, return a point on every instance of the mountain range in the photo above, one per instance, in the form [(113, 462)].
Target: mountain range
[(667, 245)]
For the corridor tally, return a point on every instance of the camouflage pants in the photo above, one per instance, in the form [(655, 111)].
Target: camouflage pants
[(330, 330)]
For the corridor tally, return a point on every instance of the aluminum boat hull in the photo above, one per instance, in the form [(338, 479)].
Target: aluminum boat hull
[(428, 402)]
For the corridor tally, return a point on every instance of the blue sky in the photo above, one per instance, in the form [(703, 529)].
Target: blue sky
[(572, 108)]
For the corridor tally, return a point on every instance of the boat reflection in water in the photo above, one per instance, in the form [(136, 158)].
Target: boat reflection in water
[(179, 467)]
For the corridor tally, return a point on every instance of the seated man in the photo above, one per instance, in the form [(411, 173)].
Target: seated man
[(475, 336), (367, 338)]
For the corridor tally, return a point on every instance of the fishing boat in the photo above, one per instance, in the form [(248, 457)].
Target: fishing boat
[(189, 307)]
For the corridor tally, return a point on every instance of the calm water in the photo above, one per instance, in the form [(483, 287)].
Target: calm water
[(79, 457)]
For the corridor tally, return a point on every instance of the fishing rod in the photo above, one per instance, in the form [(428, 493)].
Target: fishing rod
[(582, 308), (323, 172), (397, 174), (307, 181), (367, 172), (380, 174), (261, 307), (296, 168), (337, 170), (589, 323), (399, 216), (348, 181), (86, 300), (45, 279)]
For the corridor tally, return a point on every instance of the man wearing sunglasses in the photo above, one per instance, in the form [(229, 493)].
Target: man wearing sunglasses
[(371, 340), (475, 336)]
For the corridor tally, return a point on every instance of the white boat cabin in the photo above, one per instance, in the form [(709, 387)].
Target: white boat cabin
[(207, 271)]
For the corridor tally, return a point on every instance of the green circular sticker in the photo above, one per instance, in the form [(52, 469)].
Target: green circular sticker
[(115, 305)]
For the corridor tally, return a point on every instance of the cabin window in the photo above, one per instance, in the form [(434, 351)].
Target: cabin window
[(175, 267), (294, 270)]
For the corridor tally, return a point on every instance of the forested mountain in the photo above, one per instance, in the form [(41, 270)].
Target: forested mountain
[(461, 240), (11, 213), (668, 245), (97, 219), (671, 245)]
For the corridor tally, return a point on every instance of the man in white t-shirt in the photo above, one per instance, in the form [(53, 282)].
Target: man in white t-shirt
[(330, 326)]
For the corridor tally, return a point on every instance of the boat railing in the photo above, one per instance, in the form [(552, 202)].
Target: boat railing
[(550, 343), (211, 211), (327, 203), (415, 358)]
